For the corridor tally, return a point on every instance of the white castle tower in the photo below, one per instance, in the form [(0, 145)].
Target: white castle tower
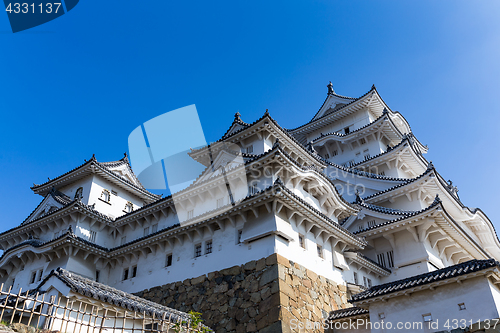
[(282, 228)]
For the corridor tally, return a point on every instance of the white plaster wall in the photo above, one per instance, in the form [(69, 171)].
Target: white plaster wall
[(116, 205), (354, 121), (226, 253)]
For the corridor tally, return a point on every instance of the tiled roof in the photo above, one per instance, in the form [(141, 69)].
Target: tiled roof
[(408, 214), (430, 168), (362, 256), (406, 138), (343, 107), (58, 196), (107, 294), (346, 313), (105, 166), (426, 278)]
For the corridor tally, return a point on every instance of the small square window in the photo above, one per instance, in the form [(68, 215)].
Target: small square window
[(168, 260), (302, 243), (461, 306), (197, 250), (320, 251), (347, 130), (381, 315), (427, 317), (208, 247), (134, 271)]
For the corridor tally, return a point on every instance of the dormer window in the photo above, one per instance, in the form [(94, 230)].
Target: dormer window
[(79, 193), (129, 207), (105, 196), (250, 149)]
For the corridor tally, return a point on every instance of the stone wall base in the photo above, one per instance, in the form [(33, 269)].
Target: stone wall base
[(272, 294)]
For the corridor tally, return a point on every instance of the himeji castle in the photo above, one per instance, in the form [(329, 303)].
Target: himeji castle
[(339, 220)]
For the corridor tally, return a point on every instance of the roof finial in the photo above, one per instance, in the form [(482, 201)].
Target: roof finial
[(385, 110), (330, 88), (437, 198), (237, 116), (373, 87), (310, 147), (266, 113), (430, 165), (276, 143), (359, 200)]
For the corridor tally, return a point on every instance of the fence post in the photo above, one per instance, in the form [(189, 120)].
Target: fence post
[(15, 306), (103, 319)]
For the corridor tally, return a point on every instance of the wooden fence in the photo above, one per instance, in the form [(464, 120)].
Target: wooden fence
[(82, 315)]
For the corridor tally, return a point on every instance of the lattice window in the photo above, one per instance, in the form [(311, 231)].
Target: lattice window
[(197, 250), (208, 247)]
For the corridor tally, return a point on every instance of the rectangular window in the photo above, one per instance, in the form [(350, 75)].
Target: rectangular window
[(146, 231), (302, 243), (208, 247), (367, 157), (125, 274), (56, 234), (238, 236), (124, 240), (334, 153), (358, 154), (351, 163), (347, 130), (427, 317), (190, 214), (381, 259), (362, 141), (371, 223), (154, 228), (33, 277), (134, 271), (168, 260), (365, 282), (327, 156), (355, 278), (114, 192), (97, 275), (40, 272), (197, 250), (250, 149), (320, 251), (369, 283), (220, 202), (92, 236), (461, 306), (382, 173), (390, 259), (360, 227)]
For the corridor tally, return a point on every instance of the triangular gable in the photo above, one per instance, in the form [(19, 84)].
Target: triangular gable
[(224, 159), (333, 102), (52, 201)]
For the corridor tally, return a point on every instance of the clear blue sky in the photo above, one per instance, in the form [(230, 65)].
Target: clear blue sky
[(80, 84)]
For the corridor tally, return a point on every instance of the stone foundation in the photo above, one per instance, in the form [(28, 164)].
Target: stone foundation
[(272, 294)]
